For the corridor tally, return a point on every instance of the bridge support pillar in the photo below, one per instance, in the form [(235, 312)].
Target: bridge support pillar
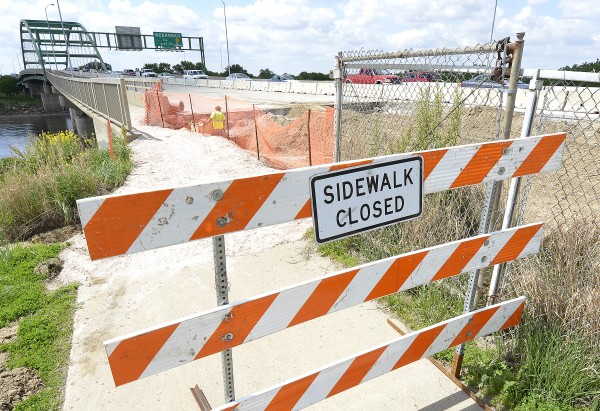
[(84, 125), (50, 101), (35, 88)]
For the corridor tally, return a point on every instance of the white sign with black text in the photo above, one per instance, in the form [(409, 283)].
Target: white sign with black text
[(358, 199)]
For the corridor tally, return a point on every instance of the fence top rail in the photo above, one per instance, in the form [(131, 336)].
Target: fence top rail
[(479, 49), (101, 80), (128, 223), (563, 75)]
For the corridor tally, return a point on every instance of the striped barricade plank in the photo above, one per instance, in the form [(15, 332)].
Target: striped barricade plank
[(150, 351), (328, 381), (120, 224)]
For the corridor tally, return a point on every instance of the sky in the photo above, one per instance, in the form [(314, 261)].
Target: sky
[(305, 35)]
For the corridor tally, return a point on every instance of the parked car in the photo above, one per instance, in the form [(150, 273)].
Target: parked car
[(486, 81), (147, 73), (238, 76), (165, 75), (373, 76), (419, 76), (129, 72), (194, 74), (284, 77)]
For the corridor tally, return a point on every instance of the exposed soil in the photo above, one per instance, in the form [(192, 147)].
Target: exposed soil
[(16, 109), (57, 235), (16, 385)]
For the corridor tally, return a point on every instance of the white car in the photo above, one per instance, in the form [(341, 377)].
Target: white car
[(194, 74), (165, 75), (238, 76), (148, 73)]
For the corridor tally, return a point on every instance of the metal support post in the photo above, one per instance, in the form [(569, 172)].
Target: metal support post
[(535, 86), (222, 286), (337, 76), (493, 192)]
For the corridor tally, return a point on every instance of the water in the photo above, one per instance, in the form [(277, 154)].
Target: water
[(15, 130)]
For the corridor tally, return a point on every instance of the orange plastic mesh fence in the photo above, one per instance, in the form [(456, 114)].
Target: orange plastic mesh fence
[(284, 137)]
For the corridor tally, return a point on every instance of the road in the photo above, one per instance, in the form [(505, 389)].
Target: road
[(260, 98)]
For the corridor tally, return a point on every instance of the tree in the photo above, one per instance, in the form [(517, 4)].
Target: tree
[(265, 73), (8, 86), (236, 68), (312, 76), (588, 66), (95, 65)]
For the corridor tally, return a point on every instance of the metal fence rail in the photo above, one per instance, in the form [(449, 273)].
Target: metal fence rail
[(103, 96)]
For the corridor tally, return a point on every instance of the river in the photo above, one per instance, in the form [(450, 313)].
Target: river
[(15, 130)]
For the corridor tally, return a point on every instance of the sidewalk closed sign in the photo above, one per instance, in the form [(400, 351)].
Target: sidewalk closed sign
[(358, 199)]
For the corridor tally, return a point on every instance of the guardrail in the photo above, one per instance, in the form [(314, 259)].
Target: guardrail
[(105, 97), (297, 87)]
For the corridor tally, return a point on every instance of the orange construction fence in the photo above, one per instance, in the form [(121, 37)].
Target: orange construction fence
[(283, 137)]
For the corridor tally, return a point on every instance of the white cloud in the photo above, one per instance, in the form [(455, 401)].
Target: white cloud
[(299, 35)]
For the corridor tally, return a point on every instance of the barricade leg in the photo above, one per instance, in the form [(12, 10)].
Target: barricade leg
[(222, 286)]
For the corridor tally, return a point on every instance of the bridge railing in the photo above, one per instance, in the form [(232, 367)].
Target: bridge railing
[(105, 97)]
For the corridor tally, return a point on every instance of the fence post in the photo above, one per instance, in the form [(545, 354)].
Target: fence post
[(309, 149), (222, 286), (256, 132), (160, 109), (515, 183), (192, 110), (126, 115), (337, 76), (227, 117), (488, 217)]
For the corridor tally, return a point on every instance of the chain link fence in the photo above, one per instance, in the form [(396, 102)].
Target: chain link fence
[(418, 100), (563, 282)]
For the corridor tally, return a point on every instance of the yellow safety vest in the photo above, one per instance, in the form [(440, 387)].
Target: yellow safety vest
[(217, 120)]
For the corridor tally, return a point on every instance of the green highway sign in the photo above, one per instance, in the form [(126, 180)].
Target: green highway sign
[(165, 40)]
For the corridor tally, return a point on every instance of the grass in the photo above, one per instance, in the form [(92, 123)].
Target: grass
[(552, 360), (38, 191), (45, 321), (39, 188), (20, 100)]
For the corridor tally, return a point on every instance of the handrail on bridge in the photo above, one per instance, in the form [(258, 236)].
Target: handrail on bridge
[(106, 97)]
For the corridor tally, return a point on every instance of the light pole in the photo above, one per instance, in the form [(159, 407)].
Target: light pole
[(226, 38), (493, 22), (51, 37), (65, 36)]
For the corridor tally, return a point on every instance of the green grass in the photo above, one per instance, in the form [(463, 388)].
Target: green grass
[(46, 321), (20, 100), (39, 188)]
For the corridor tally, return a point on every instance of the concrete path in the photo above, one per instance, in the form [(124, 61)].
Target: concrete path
[(125, 294)]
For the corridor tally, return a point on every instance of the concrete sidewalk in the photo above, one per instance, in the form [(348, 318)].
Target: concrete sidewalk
[(125, 294)]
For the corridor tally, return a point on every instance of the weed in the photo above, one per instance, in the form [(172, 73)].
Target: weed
[(44, 334), (39, 189)]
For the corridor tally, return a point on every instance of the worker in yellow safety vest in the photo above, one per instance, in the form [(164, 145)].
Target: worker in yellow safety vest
[(218, 120)]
